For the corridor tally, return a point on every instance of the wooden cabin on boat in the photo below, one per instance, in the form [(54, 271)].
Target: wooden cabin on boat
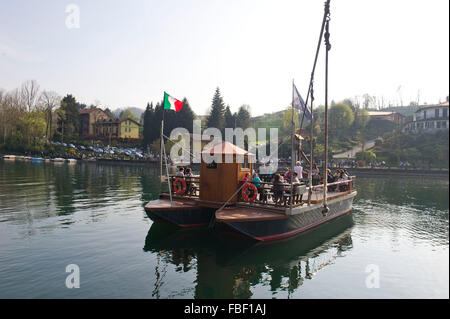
[(219, 181)]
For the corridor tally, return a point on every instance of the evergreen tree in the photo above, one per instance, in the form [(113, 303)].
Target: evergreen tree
[(216, 115), (148, 123), (243, 117), (109, 113), (229, 118), (69, 124), (185, 117)]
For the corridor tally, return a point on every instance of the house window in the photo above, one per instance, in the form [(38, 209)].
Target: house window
[(444, 113), (436, 113), (424, 115)]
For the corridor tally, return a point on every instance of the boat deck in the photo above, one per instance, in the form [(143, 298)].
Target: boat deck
[(164, 204)]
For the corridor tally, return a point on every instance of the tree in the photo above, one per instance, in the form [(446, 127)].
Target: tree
[(49, 100), (287, 121), (229, 118), (69, 120), (362, 118), (216, 115), (185, 117), (341, 116), (32, 126), (149, 115), (243, 117), (29, 94), (109, 112), (128, 114), (11, 110)]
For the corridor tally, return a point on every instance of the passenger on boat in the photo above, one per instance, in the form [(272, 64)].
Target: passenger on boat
[(298, 169), (331, 179), (315, 175), (180, 172), (287, 174), (190, 186), (295, 180), (246, 177), (342, 178), (277, 189), (257, 182)]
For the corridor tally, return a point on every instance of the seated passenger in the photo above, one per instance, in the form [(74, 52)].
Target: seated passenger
[(180, 172), (189, 184), (257, 182), (278, 188)]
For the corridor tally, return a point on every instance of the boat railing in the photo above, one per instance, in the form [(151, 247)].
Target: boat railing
[(340, 186), (273, 195), (190, 187)]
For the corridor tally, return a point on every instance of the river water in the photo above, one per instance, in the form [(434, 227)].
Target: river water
[(395, 243)]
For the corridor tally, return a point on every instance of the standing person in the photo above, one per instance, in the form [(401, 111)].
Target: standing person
[(315, 175), (299, 169)]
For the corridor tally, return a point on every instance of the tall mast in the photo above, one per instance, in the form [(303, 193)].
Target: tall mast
[(328, 47), (292, 148)]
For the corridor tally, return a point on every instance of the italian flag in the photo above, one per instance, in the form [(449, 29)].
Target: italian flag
[(171, 103)]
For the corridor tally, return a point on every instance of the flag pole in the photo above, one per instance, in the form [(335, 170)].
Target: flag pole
[(292, 150), (162, 143), (163, 153)]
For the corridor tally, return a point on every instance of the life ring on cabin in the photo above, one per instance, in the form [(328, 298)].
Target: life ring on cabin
[(245, 192), (182, 190)]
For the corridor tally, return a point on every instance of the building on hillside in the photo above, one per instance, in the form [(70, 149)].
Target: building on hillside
[(88, 118), (117, 128), (429, 119), (395, 117)]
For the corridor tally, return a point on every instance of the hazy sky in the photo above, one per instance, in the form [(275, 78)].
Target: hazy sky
[(126, 53)]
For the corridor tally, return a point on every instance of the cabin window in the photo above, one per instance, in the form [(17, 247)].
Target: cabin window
[(245, 165), (212, 165)]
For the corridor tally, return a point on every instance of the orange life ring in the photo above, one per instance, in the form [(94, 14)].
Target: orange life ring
[(182, 190), (245, 192)]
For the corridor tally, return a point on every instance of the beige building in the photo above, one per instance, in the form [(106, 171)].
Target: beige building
[(88, 118)]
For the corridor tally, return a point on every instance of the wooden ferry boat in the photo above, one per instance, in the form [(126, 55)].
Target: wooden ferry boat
[(9, 157), (221, 199)]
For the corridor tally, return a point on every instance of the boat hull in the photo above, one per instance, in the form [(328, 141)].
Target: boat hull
[(183, 214), (289, 226)]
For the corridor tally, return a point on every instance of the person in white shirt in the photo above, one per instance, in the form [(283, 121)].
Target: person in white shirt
[(298, 169)]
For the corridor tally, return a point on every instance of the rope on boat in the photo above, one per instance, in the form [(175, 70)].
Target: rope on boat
[(213, 220)]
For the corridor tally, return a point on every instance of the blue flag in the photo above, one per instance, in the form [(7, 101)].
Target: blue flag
[(299, 104)]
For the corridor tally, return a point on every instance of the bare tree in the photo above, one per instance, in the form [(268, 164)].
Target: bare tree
[(29, 93), (11, 110), (48, 101)]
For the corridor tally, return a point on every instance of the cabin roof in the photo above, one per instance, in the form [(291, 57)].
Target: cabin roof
[(226, 148)]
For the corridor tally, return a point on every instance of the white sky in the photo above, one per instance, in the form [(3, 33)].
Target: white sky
[(126, 53)]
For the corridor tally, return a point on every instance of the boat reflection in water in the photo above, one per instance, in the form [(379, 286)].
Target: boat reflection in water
[(232, 269)]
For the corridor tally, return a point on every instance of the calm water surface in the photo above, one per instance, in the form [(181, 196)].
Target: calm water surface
[(91, 215)]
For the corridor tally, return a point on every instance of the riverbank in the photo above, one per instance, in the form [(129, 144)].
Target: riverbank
[(438, 173)]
